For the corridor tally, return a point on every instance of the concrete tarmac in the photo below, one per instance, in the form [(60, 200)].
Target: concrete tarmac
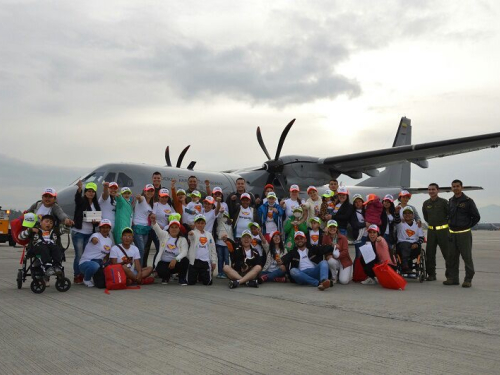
[(277, 328)]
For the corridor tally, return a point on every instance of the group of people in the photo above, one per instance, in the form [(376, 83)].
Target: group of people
[(250, 239)]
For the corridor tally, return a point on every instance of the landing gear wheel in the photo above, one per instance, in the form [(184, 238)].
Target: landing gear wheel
[(38, 286), (19, 279), (63, 284)]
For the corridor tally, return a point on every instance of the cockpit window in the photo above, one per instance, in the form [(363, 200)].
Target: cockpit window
[(110, 177), (95, 177), (124, 180)]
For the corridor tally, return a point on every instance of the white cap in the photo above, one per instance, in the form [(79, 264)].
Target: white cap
[(50, 191), (294, 188), (105, 222), (245, 195)]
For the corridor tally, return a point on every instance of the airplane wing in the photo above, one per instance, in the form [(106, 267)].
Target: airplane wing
[(417, 154), (442, 189)]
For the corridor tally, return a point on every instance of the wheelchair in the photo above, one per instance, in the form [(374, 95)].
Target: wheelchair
[(417, 269), (32, 267)]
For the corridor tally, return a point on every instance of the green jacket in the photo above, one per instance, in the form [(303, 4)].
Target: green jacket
[(123, 217), (289, 230)]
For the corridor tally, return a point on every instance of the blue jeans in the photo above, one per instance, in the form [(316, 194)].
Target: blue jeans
[(343, 231), (271, 275), (80, 240), (140, 241), (311, 276), (89, 268), (222, 258), (387, 238)]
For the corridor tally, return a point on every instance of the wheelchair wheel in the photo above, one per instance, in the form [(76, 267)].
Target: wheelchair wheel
[(38, 286), (63, 284), (421, 267), (19, 279)]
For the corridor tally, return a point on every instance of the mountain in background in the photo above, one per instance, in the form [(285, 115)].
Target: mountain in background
[(490, 214)]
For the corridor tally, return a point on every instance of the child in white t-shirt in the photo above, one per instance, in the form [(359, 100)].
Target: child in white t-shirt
[(193, 208), (163, 209)]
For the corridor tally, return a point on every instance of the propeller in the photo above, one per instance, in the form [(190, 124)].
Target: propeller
[(275, 166), (179, 160)]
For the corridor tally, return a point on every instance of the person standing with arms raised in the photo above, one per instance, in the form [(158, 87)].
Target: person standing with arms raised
[(463, 216)]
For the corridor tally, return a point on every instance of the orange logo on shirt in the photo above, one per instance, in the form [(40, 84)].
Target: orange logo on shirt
[(45, 233), (167, 211), (330, 204), (198, 208), (107, 248), (254, 242), (315, 237), (245, 213), (203, 240), (171, 246), (270, 214), (410, 232)]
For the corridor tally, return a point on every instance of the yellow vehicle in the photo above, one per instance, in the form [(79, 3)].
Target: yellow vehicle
[(5, 235)]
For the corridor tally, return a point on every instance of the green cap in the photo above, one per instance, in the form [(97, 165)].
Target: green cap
[(253, 224), (174, 217), (316, 219), (128, 230), (90, 186), (30, 220)]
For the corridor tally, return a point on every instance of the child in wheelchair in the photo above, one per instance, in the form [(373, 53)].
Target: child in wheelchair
[(409, 238), (43, 243)]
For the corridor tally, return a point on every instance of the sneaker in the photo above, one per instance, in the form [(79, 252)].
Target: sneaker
[(333, 282), (89, 283), (262, 279), (219, 276), (431, 278), (233, 284), (252, 284), (369, 281), (325, 284), (78, 280), (183, 282), (450, 282), (466, 284), (223, 276), (280, 279), (164, 282), (50, 271)]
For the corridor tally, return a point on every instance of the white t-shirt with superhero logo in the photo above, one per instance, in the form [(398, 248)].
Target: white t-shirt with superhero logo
[(289, 206), (313, 208), (97, 251), (409, 233), (257, 244), (162, 212), (42, 210), (314, 237), (245, 217), (270, 223), (202, 250), (132, 252), (210, 219), (197, 208), (171, 250)]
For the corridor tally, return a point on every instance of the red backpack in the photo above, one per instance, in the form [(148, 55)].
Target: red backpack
[(115, 276), (359, 273)]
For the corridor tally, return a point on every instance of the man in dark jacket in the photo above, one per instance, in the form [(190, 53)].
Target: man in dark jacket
[(463, 215), (306, 264), (245, 261)]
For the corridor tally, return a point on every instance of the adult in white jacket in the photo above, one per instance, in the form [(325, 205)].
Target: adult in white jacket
[(171, 258), (202, 254)]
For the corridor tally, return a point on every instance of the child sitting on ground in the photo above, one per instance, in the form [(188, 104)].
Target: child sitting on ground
[(43, 242)]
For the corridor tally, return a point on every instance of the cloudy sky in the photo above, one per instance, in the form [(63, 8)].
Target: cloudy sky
[(86, 83)]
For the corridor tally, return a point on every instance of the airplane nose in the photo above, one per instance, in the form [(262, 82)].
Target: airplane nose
[(66, 199)]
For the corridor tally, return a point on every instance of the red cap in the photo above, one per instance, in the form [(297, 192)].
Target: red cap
[(269, 186), (370, 198)]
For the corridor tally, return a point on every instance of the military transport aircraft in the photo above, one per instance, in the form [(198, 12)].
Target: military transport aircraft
[(283, 171)]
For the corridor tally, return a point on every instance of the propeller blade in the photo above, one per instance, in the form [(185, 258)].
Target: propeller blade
[(282, 180), (181, 156), (282, 138), (167, 156), (191, 165), (261, 143)]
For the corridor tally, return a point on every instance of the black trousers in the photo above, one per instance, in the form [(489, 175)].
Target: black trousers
[(407, 253), (180, 268), (49, 253), (199, 271)]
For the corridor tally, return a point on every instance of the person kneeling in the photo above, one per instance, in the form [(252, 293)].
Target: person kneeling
[(201, 254), (96, 252), (130, 258), (306, 265), (339, 260), (245, 262), (272, 270), (382, 254), (172, 255)]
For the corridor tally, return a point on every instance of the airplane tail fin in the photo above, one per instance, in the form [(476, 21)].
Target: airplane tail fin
[(397, 175)]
